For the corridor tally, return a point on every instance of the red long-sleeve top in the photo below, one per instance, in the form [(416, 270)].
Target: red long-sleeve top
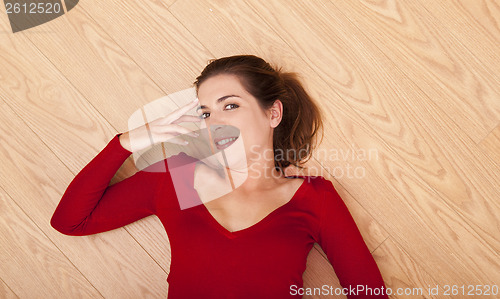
[(265, 260)]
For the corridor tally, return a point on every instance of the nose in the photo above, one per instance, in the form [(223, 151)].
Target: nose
[(216, 130), (216, 122), (214, 127)]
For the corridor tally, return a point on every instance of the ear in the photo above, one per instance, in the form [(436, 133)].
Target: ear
[(275, 113)]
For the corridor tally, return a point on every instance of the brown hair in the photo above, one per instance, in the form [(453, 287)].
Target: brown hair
[(301, 120)]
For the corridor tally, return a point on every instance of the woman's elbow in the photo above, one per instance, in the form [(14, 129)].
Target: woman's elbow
[(63, 227)]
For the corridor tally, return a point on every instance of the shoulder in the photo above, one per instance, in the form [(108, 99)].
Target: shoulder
[(322, 194), (319, 183), (316, 190)]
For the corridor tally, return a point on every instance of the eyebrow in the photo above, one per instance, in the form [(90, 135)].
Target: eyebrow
[(219, 100)]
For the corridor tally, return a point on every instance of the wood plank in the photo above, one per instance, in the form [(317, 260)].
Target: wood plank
[(96, 67), (473, 196), (400, 272), (491, 145), (162, 3), (108, 260), (415, 214), (319, 273), (469, 21), (155, 40), (48, 103), (403, 275), (484, 12), (430, 57), (5, 291), (31, 264)]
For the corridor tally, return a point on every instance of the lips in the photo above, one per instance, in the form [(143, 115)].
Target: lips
[(224, 142)]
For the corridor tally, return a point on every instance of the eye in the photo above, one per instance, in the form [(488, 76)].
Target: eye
[(234, 106), (207, 114)]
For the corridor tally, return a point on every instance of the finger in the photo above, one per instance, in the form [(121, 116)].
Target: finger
[(187, 118), (174, 128), (182, 110), (179, 141)]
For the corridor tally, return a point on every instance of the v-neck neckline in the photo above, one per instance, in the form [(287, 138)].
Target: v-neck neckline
[(233, 234)]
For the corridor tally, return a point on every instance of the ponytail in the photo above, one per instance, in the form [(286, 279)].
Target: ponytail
[(297, 134)]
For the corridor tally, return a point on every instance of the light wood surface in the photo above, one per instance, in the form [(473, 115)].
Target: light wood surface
[(415, 83)]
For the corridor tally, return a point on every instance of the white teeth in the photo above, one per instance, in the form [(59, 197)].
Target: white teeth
[(224, 141)]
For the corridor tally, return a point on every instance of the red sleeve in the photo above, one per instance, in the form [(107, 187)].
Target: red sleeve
[(90, 206), (343, 244)]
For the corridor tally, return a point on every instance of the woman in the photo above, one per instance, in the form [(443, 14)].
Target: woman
[(253, 240)]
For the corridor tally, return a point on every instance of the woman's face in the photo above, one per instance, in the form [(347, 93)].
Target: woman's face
[(224, 106)]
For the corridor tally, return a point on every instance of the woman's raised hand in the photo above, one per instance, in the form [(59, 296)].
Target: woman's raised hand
[(163, 129)]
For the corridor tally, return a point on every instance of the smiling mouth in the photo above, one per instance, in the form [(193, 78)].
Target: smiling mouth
[(225, 142)]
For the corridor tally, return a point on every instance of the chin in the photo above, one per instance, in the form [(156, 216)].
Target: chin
[(235, 156)]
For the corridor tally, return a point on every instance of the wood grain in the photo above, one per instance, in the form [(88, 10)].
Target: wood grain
[(415, 82), (485, 13), (25, 249), (319, 273), (491, 145), (443, 68), (6, 292), (472, 23), (35, 179), (402, 274)]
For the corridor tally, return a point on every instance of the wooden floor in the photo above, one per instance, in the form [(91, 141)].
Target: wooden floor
[(413, 82)]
